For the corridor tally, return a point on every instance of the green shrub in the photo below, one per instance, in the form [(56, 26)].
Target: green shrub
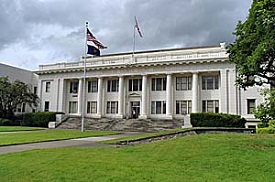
[(216, 120), (4, 122), (38, 119), (262, 125), (267, 130)]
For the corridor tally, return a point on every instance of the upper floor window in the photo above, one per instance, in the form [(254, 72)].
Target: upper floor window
[(92, 86), (112, 86), (251, 106), (184, 83), (158, 84), (135, 85), (48, 86), (35, 90), (74, 87), (210, 82), (210, 106)]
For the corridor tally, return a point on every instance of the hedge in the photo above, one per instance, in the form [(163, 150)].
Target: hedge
[(37, 119), (217, 120), (267, 130)]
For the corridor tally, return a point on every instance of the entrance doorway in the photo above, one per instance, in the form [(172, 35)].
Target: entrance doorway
[(135, 109)]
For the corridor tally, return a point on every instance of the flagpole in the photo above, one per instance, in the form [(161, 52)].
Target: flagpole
[(134, 42), (84, 83)]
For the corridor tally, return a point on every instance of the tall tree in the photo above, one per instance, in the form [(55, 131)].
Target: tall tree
[(13, 95), (253, 51)]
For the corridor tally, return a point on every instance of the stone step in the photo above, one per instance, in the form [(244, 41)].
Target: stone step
[(121, 124)]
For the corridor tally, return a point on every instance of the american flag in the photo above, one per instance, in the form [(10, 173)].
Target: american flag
[(91, 37), (137, 27)]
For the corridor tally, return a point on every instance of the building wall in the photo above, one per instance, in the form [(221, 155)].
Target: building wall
[(196, 63), (13, 73)]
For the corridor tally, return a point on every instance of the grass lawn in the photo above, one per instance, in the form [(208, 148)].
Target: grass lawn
[(206, 157), (18, 128), (47, 135)]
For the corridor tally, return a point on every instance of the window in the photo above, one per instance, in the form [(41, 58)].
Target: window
[(135, 85), (112, 86), (184, 83), (35, 90), (158, 84), (72, 107), (183, 106), (210, 82), (21, 108), (158, 107), (74, 87), (92, 86), (46, 106), (112, 107), (91, 107), (250, 105), (48, 86), (210, 106)]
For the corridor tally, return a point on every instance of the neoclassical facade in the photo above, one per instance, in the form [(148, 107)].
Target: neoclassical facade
[(166, 84)]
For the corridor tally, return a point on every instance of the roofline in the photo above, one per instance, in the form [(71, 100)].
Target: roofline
[(156, 50)]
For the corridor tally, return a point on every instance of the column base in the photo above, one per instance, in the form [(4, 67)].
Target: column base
[(168, 117), (142, 117), (97, 116), (118, 116)]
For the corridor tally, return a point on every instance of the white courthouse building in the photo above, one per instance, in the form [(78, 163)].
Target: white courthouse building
[(164, 84)]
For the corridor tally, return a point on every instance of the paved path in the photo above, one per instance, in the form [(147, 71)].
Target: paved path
[(80, 142)]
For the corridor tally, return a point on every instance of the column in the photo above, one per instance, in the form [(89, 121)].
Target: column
[(60, 92), (169, 96), (120, 96), (224, 92), (79, 95), (195, 92), (143, 114), (99, 97)]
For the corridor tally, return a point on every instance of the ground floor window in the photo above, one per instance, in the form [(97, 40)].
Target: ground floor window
[(72, 107), (112, 107), (91, 107), (250, 105), (183, 107), (210, 106), (46, 106), (158, 107)]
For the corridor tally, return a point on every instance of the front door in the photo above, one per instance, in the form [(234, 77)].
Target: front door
[(135, 109)]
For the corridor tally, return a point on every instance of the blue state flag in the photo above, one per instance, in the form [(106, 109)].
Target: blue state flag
[(93, 50)]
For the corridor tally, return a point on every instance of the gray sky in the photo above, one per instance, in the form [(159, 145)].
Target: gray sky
[(36, 32)]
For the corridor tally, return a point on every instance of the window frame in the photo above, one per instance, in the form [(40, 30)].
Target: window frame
[(74, 87), (158, 84), (92, 86)]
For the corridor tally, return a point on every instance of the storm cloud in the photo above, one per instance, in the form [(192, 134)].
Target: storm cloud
[(38, 32)]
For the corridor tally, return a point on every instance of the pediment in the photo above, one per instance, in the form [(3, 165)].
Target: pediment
[(134, 94)]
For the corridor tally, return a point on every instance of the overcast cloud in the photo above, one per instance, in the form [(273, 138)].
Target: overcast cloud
[(36, 32)]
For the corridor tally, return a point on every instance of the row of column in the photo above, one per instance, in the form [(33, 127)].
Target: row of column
[(144, 96)]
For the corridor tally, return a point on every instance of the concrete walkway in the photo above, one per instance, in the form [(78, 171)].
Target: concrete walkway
[(80, 142)]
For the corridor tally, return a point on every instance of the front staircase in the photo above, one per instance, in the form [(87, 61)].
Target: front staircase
[(112, 124)]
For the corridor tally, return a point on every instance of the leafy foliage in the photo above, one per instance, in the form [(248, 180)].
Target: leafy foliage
[(266, 110), (38, 119), (13, 95), (253, 51), (216, 120)]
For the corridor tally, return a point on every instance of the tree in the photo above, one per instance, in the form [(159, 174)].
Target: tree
[(253, 51), (265, 111), (13, 95)]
